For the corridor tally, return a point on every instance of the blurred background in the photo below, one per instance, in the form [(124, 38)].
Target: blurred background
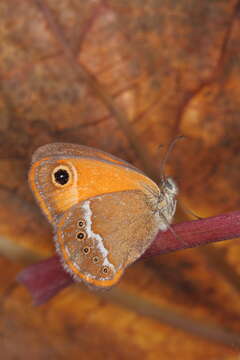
[(125, 77)]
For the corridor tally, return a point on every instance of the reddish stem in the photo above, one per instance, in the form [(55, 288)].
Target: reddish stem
[(195, 233), (46, 278)]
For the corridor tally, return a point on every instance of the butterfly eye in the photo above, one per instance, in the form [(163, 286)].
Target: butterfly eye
[(105, 270), (61, 176), (81, 235), (95, 259), (170, 186), (81, 223), (86, 250)]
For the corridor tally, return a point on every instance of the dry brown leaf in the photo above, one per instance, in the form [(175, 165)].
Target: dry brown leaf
[(124, 77)]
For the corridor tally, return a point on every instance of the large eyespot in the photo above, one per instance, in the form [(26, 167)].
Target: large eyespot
[(61, 176), (81, 235)]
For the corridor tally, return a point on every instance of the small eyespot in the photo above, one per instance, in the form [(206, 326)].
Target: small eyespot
[(81, 223), (95, 259), (81, 235), (105, 269), (61, 176), (86, 250)]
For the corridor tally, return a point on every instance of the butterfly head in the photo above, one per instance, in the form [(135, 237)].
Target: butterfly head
[(169, 187), (166, 205)]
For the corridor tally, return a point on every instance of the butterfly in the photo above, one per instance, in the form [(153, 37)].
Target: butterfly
[(104, 211)]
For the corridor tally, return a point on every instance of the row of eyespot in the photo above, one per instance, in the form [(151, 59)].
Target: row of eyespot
[(82, 235)]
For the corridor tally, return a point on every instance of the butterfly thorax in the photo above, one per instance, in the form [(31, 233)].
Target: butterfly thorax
[(163, 202)]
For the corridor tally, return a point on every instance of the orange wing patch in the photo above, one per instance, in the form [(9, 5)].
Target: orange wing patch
[(90, 178)]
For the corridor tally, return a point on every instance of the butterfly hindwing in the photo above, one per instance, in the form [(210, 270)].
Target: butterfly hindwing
[(99, 237)]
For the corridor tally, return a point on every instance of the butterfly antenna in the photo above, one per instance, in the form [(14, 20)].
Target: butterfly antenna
[(166, 157)]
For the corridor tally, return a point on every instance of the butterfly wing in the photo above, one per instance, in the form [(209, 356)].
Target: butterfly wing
[(88, 173), (99, 237)]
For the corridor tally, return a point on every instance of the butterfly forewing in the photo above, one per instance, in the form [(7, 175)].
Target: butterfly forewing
[(86, 177)]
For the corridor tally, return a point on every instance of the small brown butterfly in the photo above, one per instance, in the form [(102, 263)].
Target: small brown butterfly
[(104, 211)]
